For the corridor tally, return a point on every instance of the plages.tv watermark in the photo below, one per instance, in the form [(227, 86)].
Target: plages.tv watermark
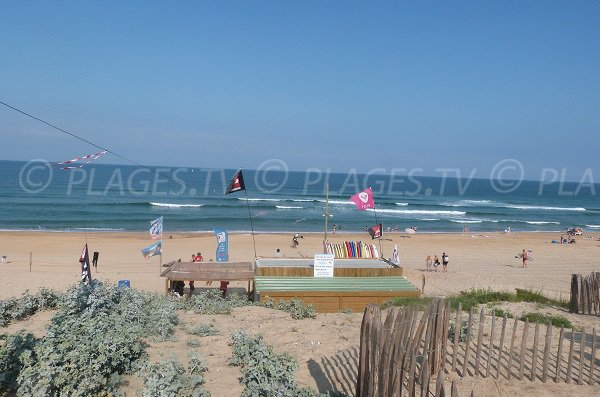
[(273, 175)]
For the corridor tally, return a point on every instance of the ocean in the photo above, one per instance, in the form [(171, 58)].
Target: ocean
[(98, 197)]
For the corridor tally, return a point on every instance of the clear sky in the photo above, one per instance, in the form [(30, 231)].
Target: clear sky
[(325, 84)]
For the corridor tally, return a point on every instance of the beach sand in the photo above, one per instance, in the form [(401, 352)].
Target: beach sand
[(325, 347)]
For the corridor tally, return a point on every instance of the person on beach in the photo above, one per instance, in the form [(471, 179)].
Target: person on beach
[(295, 240), (524, 257), (428, 263), (436, 262), (278, 253), (445, 262), (334, 228)]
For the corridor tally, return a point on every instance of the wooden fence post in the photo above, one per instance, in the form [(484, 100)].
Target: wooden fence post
[(457, 325), (512, 345), (582, 343), (491, 346), (574, 307), (570, 359), (535, 352), (559, 355), (591, 380), (547, 352), (501, 347), (479, 338), (468, 345), (523, 349)]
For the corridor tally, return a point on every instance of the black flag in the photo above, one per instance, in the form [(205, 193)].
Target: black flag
[(86, 273), (237, 183), (376, 231)]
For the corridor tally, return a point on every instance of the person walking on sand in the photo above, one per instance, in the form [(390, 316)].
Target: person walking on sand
[(445, 262), (524, 257), (436, 262), (428, 263)]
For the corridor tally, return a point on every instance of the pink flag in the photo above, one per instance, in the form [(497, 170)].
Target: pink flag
[(363, 200)]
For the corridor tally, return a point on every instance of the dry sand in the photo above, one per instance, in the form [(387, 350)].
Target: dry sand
[(326, 347)]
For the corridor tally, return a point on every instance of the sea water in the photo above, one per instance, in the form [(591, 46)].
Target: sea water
[(41, 196)]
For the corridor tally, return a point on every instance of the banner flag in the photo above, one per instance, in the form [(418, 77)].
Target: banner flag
[(363, 200), (153, 249), (222, 253), (376, 231), (156, 228), (84, 259), (89, 158), (237, 183)]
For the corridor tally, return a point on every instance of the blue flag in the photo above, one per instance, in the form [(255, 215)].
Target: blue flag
[(222, 245), (156, 228), (153, 249)]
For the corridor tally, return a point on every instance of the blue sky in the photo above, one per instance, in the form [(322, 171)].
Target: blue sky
[(333, 84)]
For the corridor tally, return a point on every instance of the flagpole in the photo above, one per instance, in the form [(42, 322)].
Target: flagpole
[(381, 232), (326, 216), (251, 225), (160, 259)]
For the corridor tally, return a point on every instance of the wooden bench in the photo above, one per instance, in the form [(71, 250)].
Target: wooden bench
[(209, 271)]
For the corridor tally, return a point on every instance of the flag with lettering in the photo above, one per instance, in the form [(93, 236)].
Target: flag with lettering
[(153, 249), (222, 253), (156, 228), (84, 259), (364, 200), (236, 184), (376, 231)]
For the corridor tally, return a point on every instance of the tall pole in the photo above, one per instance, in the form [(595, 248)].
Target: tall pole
[(251, 225), (377, 223), (326, 213)]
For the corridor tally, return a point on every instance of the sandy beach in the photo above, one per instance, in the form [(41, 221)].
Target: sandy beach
[(476, 260), (325, 347)]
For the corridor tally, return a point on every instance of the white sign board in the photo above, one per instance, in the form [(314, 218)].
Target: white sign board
[(323, 266)]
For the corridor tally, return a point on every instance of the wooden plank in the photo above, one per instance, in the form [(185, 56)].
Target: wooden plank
[(547, 346), (386, 350), (375, 352), (363, 363), (535, 352), (570, 359), (491, 346), (412, 373), (523, 349), (591, 379), (457, 322), (425, 378), (582, 344), (501, 346), (479, 340), (439, 385), (453, 389), (574, 307), (512, 345), (445, 322), (468, 344), (559, 355)]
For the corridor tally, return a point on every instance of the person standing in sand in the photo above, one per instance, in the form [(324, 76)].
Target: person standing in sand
[(525, 257), (436, 262), (428, 263), (445, 260)]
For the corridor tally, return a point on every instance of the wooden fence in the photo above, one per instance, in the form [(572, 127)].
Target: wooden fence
[(585, 293), (403, 350)]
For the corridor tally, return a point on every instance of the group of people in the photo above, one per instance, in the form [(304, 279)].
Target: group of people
[(435, 262), (295, 241), (197, 258)]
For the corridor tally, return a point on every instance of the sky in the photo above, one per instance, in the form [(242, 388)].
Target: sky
[(340, 85)]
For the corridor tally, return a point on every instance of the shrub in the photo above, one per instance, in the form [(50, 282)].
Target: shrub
[(18, 309), (557, 321), (94, 338), (204, 330), (297, 309), (10, 350), (211, 302), (169, 379), (462, 337)]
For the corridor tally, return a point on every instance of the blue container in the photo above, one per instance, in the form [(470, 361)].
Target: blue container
[(123, 284)]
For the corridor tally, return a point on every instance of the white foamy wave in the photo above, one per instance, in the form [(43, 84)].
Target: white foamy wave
[(542, 222), (172, 205), (287, 207), (402, 204), (303, 200), (429, 219), (465, 221), (539, 207), (339, 202), (260, 199), (96, 229), (593, 226), (469, 203), (420, 212)]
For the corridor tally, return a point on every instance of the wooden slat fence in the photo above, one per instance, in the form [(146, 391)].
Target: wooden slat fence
[(585, 293), (406, 352)]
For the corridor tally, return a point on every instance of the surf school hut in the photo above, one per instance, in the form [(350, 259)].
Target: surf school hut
[(217, 271), (355, 283)]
